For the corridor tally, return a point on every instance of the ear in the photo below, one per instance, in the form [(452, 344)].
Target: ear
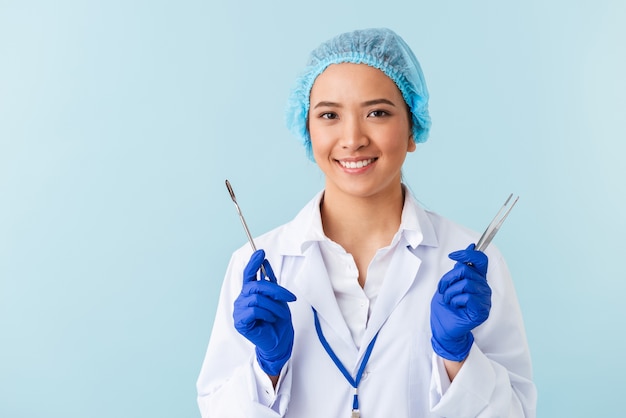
[(412, 146)]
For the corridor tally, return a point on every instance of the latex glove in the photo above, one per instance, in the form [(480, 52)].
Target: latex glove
[(460, 304), (262, 316)]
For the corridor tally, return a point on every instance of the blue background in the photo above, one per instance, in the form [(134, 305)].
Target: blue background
[(120, 120)]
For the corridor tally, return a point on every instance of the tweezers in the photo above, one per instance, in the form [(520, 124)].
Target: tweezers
[(495, 225), (245, 227)]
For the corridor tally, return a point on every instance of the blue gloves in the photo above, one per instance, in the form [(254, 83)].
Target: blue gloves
[(460, 304), (262, 316)]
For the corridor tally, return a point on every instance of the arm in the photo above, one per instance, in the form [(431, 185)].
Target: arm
[(274, 380), (494, 377), (232, 382), (452, 368)]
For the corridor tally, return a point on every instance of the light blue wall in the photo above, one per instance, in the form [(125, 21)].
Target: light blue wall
[(120, 120)]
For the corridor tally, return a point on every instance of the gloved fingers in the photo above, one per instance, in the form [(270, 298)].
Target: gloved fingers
[(460, 271), (474, 309), (470, 282), (449, 278), (253, 266), (458, 299), (478, 259), (269, 271), (478, 310), (249, 317), (268, 289), (249, 309), (278, 308), (251, 272)]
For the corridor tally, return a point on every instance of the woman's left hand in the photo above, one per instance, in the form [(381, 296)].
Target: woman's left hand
[(461, 303)]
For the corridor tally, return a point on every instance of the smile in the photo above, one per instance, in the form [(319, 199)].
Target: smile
[(357, 164)]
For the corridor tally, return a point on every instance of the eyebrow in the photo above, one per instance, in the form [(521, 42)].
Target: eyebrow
[(367, 103), (379, 101)]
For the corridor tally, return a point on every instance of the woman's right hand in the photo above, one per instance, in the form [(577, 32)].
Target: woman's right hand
[(261, 314)]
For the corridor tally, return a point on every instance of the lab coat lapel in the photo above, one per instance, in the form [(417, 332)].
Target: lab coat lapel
[(398, 280), (314, 285)]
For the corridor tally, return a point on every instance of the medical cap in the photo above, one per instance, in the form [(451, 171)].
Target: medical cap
[(378, 48)]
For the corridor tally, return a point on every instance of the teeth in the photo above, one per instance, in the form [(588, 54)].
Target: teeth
[(356, 164)]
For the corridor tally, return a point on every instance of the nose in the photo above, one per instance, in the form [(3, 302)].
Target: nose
[(353, 135)]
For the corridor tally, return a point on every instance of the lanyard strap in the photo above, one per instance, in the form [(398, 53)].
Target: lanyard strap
[(340, 366)]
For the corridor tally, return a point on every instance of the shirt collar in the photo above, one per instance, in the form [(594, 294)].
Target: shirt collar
[(314, 230)]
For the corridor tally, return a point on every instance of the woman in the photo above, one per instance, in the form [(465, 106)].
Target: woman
[(364, 312)]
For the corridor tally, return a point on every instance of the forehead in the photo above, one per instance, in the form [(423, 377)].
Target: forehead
[(354, 79)]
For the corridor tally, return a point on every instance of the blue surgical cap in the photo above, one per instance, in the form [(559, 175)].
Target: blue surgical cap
[(378, 48)]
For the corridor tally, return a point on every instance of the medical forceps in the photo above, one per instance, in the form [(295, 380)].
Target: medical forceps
[(495, 225), (245, 226)]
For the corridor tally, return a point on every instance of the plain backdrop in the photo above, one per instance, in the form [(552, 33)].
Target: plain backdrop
[(120, 121)]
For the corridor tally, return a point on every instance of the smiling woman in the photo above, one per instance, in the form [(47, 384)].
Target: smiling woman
[(360, 131), (371, 304)]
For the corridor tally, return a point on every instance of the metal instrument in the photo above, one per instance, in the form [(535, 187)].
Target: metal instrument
[(495, 225), (243, 222)]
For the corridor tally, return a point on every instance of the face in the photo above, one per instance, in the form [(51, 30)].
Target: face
[(360, 130)]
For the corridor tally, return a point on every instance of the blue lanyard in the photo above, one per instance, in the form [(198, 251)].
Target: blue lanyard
[(340, 366)]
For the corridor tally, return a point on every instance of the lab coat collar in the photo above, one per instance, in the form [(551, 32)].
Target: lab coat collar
[(399, 278), (313, 285)]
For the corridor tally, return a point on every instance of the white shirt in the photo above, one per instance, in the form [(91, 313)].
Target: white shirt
[(403, 378), (356, 303)]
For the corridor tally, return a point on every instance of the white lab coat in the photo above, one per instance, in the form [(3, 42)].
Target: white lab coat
[(403, 377)]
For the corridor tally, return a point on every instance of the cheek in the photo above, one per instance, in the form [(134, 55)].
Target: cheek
[(321, 138), (315, 125), (399, 139), (318, 145)]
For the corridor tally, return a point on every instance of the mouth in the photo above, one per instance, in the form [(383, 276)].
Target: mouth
[(356, 164)]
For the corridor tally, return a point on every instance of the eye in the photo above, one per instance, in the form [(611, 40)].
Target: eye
[(378, 113), (328, 115)]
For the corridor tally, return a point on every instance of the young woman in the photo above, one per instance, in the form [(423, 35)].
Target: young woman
[(371, 306)]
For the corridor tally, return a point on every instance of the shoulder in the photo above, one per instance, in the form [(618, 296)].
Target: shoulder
[(435, 229), (447, 229), (452, 236)]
